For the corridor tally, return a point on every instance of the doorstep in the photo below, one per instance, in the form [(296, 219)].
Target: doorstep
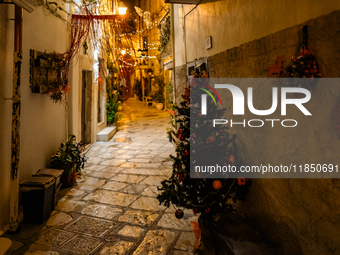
[(5, 246), (230, 233), (106, 134)]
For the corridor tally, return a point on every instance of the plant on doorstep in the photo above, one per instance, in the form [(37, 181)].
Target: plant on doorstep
[(71, 159), (113, 104), (159, 100), (112, 107)]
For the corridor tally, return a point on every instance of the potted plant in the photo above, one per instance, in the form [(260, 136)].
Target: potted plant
[(71, 159), (113, 105), (159, 100)]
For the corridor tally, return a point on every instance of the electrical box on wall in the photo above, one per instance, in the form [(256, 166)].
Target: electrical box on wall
[(208, 43)]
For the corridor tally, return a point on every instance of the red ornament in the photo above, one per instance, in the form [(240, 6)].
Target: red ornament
[(181, 177), (182, 138), (211, 139), (186, 153), (199, 114), (195, 210), (179, 214), (241, 181), (217, 184), (207, 210), (194, 136)]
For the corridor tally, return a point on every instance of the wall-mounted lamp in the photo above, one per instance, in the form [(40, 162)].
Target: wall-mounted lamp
[(122, 8)]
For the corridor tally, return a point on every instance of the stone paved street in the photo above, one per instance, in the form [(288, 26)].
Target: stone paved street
[(113, 209)]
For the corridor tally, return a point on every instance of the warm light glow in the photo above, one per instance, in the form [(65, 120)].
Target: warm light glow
[(122, 8), (123, 52)]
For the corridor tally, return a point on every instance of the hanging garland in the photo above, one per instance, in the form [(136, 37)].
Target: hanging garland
[(83, 27), (60, 62)]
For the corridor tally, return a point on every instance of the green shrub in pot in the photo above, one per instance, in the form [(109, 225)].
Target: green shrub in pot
[(71, 158), (159, 98)]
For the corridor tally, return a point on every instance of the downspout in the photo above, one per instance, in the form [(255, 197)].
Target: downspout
[(185, 30), (173, 50), (16, 104)]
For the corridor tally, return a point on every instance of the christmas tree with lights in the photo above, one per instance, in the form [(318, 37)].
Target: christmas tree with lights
[(196, 135)]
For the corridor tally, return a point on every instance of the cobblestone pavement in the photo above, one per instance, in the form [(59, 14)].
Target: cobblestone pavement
[(113, 209)]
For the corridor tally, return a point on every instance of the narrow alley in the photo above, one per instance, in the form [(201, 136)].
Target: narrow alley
[(169, 127), (113, 209)]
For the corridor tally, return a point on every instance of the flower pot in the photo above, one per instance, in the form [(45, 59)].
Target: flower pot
[(159, 106)]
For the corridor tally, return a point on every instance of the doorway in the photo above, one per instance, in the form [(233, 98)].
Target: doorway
[(86, 106)]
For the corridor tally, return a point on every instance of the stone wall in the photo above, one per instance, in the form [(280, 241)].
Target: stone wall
[(299, 215)]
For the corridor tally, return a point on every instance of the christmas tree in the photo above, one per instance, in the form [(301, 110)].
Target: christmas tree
[(187, 189), (303, 66)]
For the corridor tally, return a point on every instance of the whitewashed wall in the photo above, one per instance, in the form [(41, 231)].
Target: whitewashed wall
[(44, 124)]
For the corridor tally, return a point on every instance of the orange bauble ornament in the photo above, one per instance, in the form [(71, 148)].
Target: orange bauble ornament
[(211, 139), (232, 158), (217, 184)]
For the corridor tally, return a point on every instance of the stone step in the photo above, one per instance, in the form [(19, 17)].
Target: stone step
[(106, 134), (233, 234), (238, 247), (5, 246)]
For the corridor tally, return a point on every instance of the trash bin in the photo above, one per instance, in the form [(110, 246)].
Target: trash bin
[(37, 198), (56, 173)]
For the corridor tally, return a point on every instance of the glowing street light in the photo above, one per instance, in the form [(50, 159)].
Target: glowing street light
[(122, 8)]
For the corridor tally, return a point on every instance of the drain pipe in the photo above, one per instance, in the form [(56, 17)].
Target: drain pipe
[(16, 104), (185, 31), (173, 50)]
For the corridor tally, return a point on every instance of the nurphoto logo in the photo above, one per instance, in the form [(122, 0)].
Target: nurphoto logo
[(239, 105)]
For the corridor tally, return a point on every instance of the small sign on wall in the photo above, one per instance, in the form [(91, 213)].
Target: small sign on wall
[(208, 43)]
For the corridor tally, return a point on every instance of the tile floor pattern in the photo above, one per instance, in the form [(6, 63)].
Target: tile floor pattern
[(113, 209)]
